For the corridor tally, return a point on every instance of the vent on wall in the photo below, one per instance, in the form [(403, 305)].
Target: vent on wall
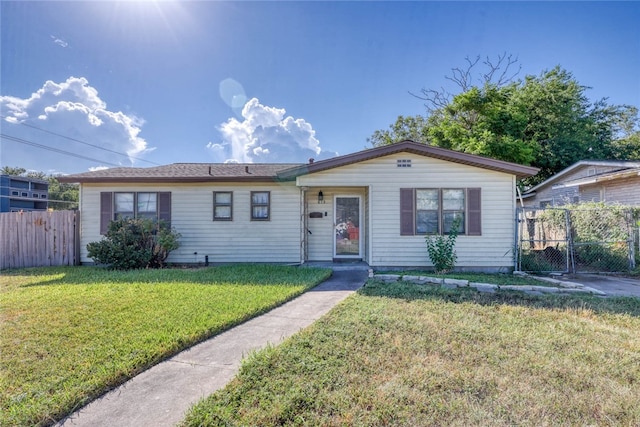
[(403, 163)]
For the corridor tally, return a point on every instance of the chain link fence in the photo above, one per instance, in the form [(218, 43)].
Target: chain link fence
[(577, 240)]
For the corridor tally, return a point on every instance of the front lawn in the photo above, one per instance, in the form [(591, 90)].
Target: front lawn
[(69, 334), (408, 355)]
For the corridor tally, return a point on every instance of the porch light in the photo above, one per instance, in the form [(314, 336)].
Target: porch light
[(320, 197)]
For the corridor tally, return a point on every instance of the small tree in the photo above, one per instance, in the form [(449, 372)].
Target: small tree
[(135, 243), (441, 249)]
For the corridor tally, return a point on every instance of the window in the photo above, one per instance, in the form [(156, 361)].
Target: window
[(260, 205), (453, 207), (147, 205), (151, 205), (123, 205), (135, 205), (427, 211), (222, 205), (403, 163), (434, 210), (437, 209)]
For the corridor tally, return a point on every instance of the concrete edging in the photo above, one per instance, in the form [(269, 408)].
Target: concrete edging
[(560, 288)]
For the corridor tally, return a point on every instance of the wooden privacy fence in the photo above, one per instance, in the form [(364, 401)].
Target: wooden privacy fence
[(33, 239)]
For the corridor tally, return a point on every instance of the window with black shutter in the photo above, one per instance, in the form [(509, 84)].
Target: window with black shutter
[(434, 210), (117, 205)]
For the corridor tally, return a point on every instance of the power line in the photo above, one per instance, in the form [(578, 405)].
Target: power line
[(85, 143), (55, 150)]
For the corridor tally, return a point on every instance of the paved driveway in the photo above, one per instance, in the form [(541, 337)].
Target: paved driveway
[(611, 285)]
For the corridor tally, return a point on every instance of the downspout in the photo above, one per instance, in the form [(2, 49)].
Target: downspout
[(303, 225), (518, 229), (370, 227), (78, 225), (520, 196)]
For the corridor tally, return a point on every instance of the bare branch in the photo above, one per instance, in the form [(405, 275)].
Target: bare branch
[(505, 77), (499, 72), (434, 99), (462, 77)]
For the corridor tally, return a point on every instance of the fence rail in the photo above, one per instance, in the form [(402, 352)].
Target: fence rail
[(34, 239), (577, 240)]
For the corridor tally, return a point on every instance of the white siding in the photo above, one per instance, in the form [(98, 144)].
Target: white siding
[(321, 237), (494, 249), (240, 240)]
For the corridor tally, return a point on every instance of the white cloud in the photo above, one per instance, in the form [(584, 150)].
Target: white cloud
[(59, 41), (265, 135), (98, 168), (72, 109)]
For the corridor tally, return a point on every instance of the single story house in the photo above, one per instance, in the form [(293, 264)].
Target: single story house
[(375, 205), (589, 181)]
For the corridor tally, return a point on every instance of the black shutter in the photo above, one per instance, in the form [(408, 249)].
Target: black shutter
[(164, 207), (474, 214), (106, 211), (407, 212)]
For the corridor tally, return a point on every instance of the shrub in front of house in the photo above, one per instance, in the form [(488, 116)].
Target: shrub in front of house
[(441, 249), (135, 243)]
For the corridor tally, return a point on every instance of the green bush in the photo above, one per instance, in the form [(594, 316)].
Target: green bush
[(441, 249), (134, 243), (536, 261), (603, 257)]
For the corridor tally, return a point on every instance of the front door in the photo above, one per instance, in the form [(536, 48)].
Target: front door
[(347, 224)]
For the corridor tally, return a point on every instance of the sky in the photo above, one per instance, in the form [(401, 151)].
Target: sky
[(89, 85)]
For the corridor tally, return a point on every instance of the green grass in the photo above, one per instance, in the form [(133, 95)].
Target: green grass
[(70, 334), (407, 355)]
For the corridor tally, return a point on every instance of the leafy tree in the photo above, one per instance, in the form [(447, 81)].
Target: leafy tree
[(545, 121), (62, 195), (13, 171), (482, 121), (561, 121), (134, 243), (496, 72), (410, 127)]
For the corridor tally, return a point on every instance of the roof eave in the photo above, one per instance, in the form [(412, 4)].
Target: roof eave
[(559, 175), (601, 178), (519, 171), (169, 179)]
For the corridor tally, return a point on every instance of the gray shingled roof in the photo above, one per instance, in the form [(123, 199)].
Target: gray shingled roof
[(185, 172), (206, 172)]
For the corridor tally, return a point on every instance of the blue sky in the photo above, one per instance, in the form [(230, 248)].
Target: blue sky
[(168, 81)]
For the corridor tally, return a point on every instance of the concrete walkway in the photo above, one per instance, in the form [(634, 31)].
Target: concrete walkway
[(161, 395)]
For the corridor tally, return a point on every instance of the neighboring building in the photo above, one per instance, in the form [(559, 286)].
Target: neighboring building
[(376, 205), (19, 193), (589, 181)]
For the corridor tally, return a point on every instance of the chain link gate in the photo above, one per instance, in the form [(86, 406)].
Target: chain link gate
[(576, 240)]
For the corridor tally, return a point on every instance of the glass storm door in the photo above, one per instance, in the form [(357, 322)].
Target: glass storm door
[(347, 227)]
